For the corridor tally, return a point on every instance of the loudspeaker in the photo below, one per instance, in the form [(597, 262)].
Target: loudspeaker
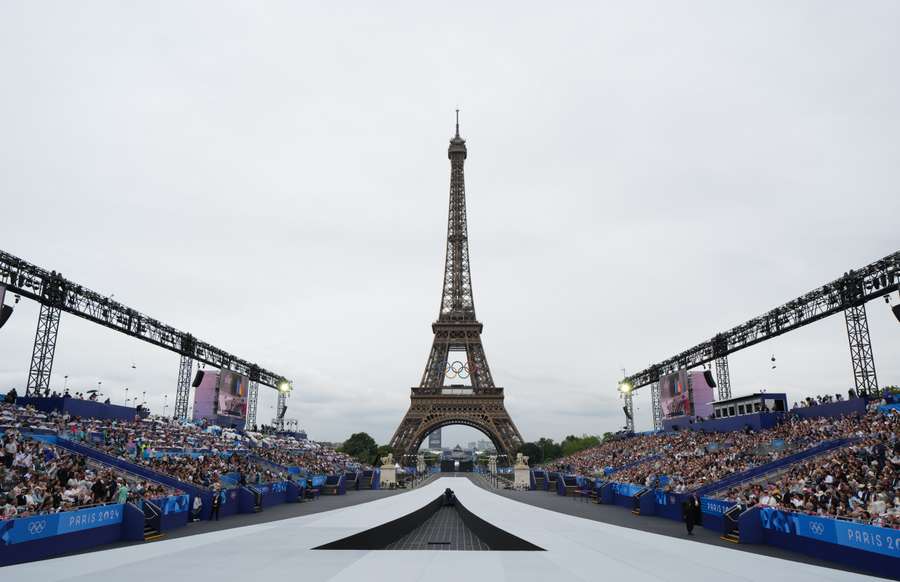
[(283, 410), (894, 308), (625, 409), (198, 377), (709, 378), (5, 312)]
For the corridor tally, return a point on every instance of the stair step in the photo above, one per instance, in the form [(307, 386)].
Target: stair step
[(730, 537), (635, 512), (152, 537)]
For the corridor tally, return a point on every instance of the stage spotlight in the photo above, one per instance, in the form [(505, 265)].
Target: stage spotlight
[(284, 386), (625, 387)]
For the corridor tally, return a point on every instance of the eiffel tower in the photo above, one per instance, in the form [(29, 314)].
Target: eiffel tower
[(479, 405)]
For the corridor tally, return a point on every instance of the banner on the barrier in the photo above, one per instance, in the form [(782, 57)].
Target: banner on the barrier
[(711, 506), (868, 538), (26, 529), (174, 504), (626, 489)]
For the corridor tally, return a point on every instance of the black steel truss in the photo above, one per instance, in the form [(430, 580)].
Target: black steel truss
[(852, 290), (252, 400), (183, 389), (723, 377), (52, 290), (861, 356), (44, 349)]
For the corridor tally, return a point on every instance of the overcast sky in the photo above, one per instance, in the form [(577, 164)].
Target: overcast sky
[(273, 178)]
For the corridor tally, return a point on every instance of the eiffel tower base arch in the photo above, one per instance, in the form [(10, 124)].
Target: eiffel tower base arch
[(432, 409)]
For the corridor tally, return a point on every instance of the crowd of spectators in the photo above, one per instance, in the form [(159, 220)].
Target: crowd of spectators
[(38, 478), (614, 453), (695, 459), (860, 481), (200, 455)]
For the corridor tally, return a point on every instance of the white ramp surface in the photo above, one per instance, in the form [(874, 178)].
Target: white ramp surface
[(576, 549)]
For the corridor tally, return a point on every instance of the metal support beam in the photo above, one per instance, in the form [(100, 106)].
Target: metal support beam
[(252, 398), (861, 356), (723, 378), (629, 411), (183, 393), (655, 405), (44, 349), (280, 410), (854, 288)]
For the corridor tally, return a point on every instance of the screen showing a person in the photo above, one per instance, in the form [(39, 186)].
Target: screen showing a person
[(233, 394), (673, 394)]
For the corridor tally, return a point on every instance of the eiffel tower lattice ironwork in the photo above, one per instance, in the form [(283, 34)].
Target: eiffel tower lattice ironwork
[(433, 405)]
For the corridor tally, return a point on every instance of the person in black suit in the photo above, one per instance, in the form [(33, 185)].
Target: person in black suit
[(690, 510), (216, 501)]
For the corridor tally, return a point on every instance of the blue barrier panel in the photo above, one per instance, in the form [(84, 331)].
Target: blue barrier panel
[(293, 492), (246, 500), (647, 503), (715, 507), (77, 407), (668, 505), (26, 529), (230, 502), (871, 548), (174, 511), (272, 493), (608, 493), (376, 479), (132, 523), (859, 536), (833, 409), (750, 527)]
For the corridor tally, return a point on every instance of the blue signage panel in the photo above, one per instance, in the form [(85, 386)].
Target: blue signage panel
[(860, 536), (712, 506), (174, 504), (626, 489), (28, 529)]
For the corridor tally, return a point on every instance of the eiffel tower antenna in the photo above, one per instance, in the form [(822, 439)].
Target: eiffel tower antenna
[(456, 330)]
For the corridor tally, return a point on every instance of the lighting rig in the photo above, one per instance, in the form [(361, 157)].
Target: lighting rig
[(848, 294), (56, 294)]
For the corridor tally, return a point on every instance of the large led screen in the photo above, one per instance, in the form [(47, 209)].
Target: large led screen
[(702, 395), (205, 397), (233, 388), (685, 394)]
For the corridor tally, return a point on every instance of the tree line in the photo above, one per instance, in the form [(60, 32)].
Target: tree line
[(364, 449)]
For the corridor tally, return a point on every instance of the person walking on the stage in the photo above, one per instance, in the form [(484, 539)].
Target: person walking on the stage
[(691, 512), (216, 501)]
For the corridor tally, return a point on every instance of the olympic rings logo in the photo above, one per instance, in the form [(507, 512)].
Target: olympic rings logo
[(456, 369), (36, 527), (817, 528)]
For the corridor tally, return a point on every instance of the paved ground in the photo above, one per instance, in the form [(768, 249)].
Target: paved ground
[(612, 514), (275, 513), (622, 516)]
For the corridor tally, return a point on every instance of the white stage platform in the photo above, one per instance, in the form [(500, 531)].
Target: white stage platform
[(577, 549)]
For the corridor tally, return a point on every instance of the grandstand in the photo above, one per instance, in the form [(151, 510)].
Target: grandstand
[(824, 485), (69, 483), (147, 478)]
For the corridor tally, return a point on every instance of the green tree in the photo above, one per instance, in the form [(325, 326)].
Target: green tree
[(361, 447), (533, 452), (549, 449), (572, 444)]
